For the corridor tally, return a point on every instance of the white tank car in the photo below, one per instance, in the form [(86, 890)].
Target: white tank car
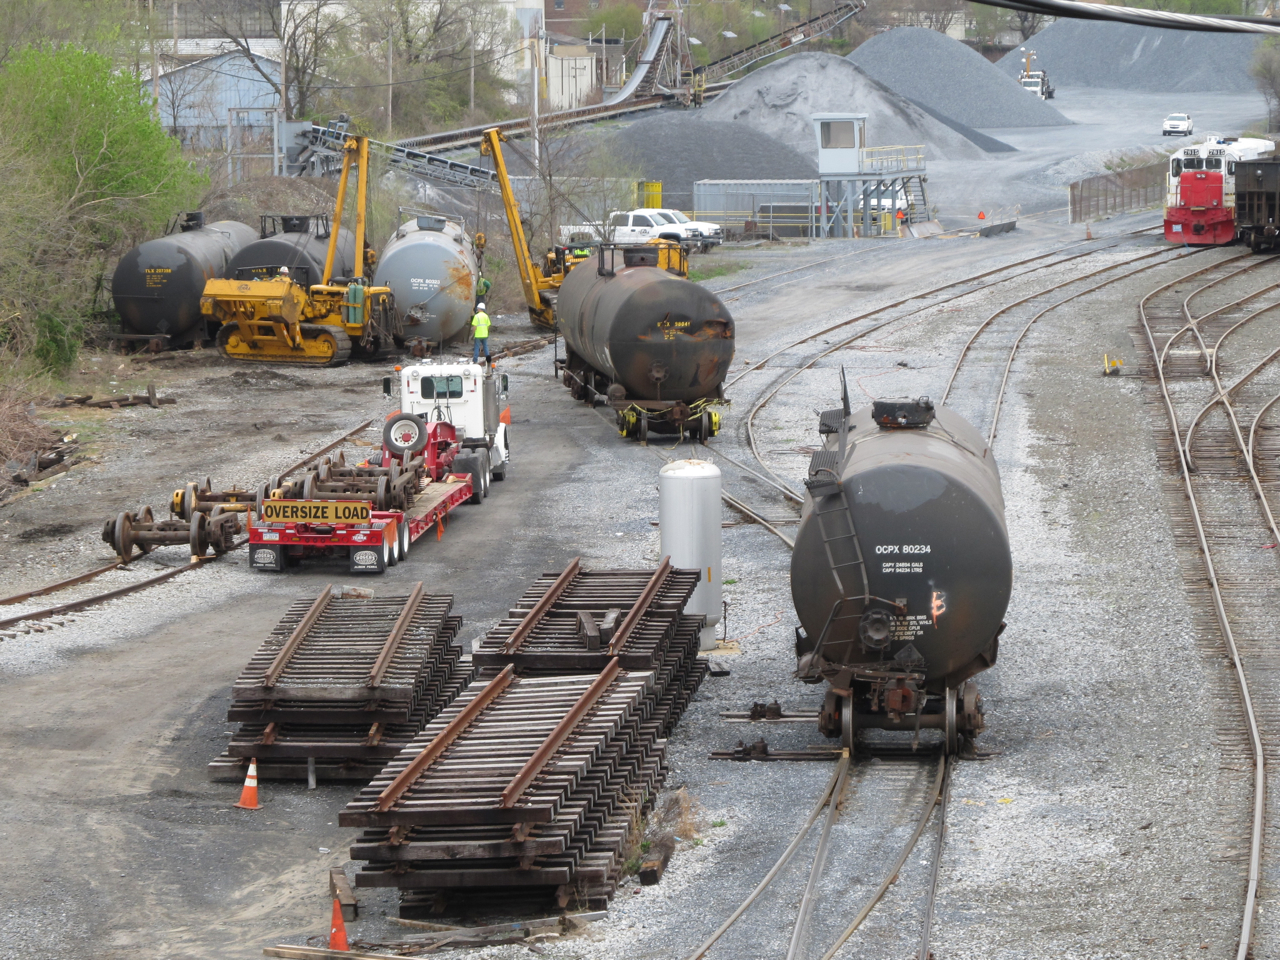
[(430, 266)]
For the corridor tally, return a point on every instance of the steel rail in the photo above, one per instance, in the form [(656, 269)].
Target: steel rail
[(1186, 303), (982, 327), (62, 584), (836, 776), (892, 873), (299, 634), (539, 610), (1255, 737), (926, 928), (1223, 396), (796, 371), (641, 606), (795, 951), (323, 450), (1253, 430), (392, 643), (742, 508), (87, 602), (533, 766), (1013, 351), (428, 755), (946, 286)]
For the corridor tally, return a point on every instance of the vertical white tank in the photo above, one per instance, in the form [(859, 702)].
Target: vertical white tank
[(689, 520)]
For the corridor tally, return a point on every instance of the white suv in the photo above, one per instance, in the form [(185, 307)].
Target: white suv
[(1177, 125)]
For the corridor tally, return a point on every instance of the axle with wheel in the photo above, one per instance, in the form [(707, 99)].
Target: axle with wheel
[(216, 530)]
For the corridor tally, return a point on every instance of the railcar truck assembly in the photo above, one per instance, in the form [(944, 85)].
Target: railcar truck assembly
[(439, 451)]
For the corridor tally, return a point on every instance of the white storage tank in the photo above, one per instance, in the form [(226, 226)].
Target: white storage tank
[(689, 520)]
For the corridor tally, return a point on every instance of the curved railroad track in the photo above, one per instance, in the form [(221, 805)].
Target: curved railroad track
[(1218, 382), (168, 571)]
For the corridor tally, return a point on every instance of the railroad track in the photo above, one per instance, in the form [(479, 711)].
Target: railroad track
[(1217, 383), (132, 585), (534, 777), (997, 336)]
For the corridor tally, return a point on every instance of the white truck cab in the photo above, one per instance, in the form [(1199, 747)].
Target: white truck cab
[(470, 396)]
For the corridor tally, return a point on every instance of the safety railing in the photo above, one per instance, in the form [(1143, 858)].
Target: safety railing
[(1107, 194)]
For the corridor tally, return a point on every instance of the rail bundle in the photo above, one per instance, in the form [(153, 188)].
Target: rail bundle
[(528, 784), (342, 684)]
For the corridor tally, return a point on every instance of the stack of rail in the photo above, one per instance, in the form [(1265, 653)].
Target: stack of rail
[(528, 785), (343, 684)]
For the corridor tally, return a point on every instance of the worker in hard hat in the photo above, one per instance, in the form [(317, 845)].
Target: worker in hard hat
[(284, 272), (480, 330), (483, 286)]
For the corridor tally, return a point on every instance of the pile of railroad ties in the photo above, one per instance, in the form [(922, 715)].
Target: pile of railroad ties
[(526, 784)]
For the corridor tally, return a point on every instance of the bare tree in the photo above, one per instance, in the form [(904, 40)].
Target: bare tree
[(1265, 71), (937, 14), (306, 31), (1028, 24), (181, 92)]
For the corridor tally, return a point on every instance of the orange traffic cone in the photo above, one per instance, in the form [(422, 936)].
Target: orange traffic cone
[(337, 929), (1088, 231), (249, 795), (981, 215)]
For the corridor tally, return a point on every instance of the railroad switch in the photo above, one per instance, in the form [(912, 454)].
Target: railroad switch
[(1112, 366)]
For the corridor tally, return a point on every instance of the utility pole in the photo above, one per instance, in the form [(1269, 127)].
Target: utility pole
[(534, 50), (389, 87), (472, 33)]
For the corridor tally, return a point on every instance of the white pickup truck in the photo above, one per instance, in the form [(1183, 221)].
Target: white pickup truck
[(641, 226)]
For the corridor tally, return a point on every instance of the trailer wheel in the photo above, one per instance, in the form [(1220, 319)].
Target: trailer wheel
[(405, 433), (392, 548), (469, 464), (486, 470), (405, 541)]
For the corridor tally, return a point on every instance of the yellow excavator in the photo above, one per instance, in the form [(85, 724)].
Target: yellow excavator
[(541, 282), (276, 320)]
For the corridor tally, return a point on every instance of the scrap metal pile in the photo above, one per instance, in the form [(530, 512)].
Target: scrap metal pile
[(529, 785), (344, 681)]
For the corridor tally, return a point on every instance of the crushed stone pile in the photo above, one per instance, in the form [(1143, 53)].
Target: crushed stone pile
[(681, 148), (779, 100), (945, 76), (1122, 56)]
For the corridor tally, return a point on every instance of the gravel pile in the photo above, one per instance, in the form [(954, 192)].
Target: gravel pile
[(680, 148), (943, 75), (780, 100), (1122, 56)]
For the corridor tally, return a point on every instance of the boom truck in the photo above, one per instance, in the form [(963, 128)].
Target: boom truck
[(278, 319), (440, 450)]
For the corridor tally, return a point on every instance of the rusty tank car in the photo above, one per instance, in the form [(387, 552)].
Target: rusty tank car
[(653, 344), (901, 572), (158, 284), (431, 268)]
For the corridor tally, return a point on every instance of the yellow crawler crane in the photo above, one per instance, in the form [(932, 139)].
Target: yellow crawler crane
[(276, 320)]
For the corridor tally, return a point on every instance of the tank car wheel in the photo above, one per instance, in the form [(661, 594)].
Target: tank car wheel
[(642, 430), (952, 730), (275, 483), (186, 504), (704, 427), (324, 473), (309, 491), (264, 494), (199, 540), (145, 516), (848, 723), (122, 537)]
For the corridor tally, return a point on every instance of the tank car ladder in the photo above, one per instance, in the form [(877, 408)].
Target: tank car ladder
[(836, 526)]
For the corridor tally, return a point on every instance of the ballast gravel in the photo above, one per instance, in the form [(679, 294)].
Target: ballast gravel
[(945, 75), (1123, 56)]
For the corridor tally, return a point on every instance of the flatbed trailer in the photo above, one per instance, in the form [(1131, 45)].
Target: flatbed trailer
[(287, 531)]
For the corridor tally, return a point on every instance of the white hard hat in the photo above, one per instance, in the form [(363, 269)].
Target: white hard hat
[(479, 306), (284, 271)]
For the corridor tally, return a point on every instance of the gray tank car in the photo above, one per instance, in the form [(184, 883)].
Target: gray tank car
[(431, 269), (300, 243), (655, 345), (901, 572), (158, 284)]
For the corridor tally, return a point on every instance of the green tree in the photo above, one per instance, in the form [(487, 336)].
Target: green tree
[(82, 138)]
